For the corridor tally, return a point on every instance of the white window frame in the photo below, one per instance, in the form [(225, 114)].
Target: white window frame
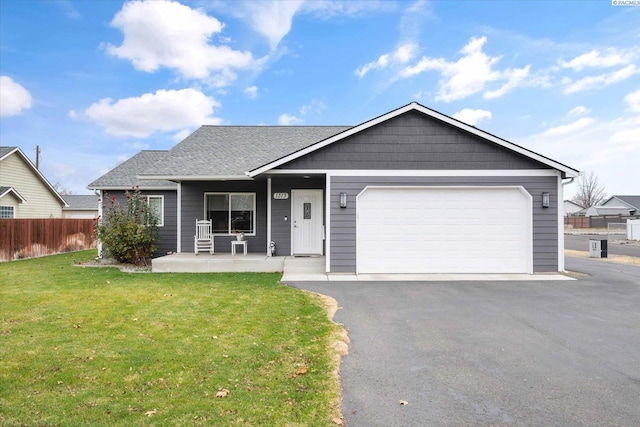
[(225, 193), (13, 212), (161, 197)]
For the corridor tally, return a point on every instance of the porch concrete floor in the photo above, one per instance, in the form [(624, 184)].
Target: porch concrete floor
[(310, 269)]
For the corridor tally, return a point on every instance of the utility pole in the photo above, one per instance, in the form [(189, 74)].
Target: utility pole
[(38, 157)]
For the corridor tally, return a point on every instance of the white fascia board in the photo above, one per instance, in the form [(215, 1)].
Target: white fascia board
[(39, 175), (419, 172), (15, 193), (417, 107), (195, 177)]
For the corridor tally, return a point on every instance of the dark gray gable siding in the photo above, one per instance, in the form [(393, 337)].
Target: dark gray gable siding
[(343, 221), (193, 209), (413, 141), (168, 233)]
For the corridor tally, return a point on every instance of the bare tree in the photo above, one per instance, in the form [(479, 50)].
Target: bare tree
[(590, 191), (61, 190)]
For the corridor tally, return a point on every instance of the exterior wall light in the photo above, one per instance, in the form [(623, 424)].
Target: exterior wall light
[(545, 200), (343, 200)]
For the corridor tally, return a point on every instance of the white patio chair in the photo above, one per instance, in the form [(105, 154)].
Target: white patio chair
[(203, 240)]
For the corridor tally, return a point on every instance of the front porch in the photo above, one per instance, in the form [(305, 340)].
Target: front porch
[(305, 267)]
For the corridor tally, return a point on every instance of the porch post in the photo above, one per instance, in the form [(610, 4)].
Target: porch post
[(327, 233), (179, 216), (268, 216)]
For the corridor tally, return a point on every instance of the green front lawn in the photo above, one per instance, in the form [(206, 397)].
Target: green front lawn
[(95, 346)]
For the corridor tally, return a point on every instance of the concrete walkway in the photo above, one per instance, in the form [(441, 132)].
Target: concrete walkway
[(313, 270)]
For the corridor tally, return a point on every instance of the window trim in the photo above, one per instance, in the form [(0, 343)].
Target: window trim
[(235, 193), (161, 197), (13, 212)]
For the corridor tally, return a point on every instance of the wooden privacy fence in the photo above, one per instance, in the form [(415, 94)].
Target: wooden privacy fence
[(26, 238)]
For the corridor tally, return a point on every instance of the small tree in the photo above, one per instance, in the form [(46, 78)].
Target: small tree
[(128, 234), (590, 191)]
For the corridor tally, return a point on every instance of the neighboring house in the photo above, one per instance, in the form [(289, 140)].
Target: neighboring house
[(604, 210), (24, 191), (571, 208), (80, 206), (410, 191), (630, 204), (161, 193)]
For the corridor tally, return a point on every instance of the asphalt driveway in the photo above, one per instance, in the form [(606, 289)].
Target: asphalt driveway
[(492, 353)]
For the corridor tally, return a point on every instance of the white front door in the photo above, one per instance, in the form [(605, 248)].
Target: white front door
[(307, 222)]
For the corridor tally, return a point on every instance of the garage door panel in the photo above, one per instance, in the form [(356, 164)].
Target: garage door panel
[(443, 230)]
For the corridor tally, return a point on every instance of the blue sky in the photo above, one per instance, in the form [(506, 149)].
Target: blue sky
[(94, 82)]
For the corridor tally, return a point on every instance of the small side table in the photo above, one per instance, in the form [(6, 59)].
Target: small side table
[(235, 243)]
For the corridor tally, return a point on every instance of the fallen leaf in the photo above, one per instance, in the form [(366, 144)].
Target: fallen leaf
[(149, 413), (222, 393), (337, 421), (302, 371), (108, 282), (403, 402)]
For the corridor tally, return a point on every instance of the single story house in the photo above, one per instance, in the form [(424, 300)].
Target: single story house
[(410, 191), (571, 208), (24, 191), (630, 204), (80, 206)]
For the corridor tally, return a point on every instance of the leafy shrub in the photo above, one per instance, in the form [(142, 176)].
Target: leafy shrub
[(127, 234)]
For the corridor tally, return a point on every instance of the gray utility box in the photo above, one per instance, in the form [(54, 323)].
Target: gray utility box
[(597, 248)]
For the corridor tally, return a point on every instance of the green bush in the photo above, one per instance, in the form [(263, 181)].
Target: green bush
[(127, 234)]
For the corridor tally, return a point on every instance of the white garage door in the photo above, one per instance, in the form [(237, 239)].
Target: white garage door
[(444, 230)]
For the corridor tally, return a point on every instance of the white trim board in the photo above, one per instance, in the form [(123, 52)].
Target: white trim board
[(419, 172)]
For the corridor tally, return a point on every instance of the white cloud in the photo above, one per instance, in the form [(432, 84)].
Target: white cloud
[(288, 120), (315, 106), (251, 92), (401, 55), (610, 58), (515, 78), (469, 74), (163, 111), (68, 9), (471, 116), (14, 98), (179, 136), (169, 34), (599, 81), (273, 19), (569, 128), (578, 111), (633, 100)]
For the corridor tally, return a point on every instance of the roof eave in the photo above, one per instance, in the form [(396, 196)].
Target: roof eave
[(177, 178)]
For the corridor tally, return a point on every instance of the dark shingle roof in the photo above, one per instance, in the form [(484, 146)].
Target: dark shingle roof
[(81, 201), (230, 151), (124, 175)]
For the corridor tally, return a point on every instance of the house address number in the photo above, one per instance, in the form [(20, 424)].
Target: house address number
[(280, 196)]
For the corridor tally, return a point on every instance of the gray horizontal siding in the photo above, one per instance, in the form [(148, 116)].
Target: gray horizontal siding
[(193, 209), (414, 141), (167, 241), (343, 220)]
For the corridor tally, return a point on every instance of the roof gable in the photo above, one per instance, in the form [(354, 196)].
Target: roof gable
[(516, 149), (4, 191), (5, 152), (623, 201)]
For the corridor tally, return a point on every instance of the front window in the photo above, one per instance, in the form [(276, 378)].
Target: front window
[(156, 207), (6, 212), (231, 212)]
